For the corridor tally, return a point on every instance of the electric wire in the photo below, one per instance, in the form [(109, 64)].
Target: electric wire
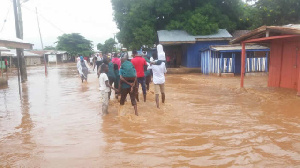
[(5, 20), (45, 19)]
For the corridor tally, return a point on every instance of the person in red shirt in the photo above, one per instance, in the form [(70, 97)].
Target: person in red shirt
[(6, 64), (168, 60), (116, 60), (139, 64)]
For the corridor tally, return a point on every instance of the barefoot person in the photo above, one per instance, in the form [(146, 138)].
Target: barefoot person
[(159, 81), (128, 81), (104, 88)]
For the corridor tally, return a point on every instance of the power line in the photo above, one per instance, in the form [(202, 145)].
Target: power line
[(5, 20), (48, 21)]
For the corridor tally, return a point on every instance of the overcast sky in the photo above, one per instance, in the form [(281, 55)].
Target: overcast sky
[(91, 18)]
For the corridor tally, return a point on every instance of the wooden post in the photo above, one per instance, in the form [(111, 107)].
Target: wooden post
[(298, 67), (233, 63), (1, 64), (19, 34), (243, 64), (37, 18), (267, 62), (221, 64)]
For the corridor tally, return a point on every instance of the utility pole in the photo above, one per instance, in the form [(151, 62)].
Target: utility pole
[(19, 33), (115, 42), (37, 18)]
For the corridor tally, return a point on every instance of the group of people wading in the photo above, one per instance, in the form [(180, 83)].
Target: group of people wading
[(124, 76)]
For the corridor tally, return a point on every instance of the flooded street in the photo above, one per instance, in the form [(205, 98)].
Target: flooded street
[(207, 121)]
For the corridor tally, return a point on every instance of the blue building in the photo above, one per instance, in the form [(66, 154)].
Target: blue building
[(184, 48), (227, 59)]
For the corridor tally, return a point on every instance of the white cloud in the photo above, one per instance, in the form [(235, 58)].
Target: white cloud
[(91, 18)]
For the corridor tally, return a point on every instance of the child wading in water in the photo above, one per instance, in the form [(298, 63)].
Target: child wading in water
[(104, 88)]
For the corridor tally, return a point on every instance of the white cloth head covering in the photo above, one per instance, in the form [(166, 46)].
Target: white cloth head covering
[(160, 53)]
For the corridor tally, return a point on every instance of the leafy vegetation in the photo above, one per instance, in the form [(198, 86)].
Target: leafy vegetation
[(275, 12), (107, 47), (49, 48), (75, 44), (139, 20)]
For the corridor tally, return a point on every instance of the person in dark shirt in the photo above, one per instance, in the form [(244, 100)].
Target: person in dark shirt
[(127, 86)]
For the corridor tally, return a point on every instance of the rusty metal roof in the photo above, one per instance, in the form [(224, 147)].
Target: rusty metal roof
[(239, 33), (291, 29)]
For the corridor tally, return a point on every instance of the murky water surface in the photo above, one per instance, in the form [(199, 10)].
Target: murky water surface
[(206, 121)]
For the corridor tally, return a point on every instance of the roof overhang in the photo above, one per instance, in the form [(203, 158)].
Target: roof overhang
[(266, 39), (236, 48), (4, 49), (224, 51), (176, 42), (264, 33), (213, 39), (15, 44)]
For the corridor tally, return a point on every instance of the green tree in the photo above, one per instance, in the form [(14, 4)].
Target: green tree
[(100, 46), (276, 12), (107, 47), (49, 48), (75, 44), (139, 20)]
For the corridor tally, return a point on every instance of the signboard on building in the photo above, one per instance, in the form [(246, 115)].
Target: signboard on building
[(52, 58)]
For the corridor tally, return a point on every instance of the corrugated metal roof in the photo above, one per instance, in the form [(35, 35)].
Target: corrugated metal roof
[(13, 53), (181, 36), (291, 29), (239, 33), (237, 47), (12, 39), (174, 35), (56, 52), (294, 26), (4, 49), (14, 42), (39, 52), (222, 33)]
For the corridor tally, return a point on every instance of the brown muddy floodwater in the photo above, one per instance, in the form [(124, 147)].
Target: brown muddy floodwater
[(206, 122)]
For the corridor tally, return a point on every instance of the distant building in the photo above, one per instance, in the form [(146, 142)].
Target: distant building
[(226, 59), (31, 59), (53, 56), (184, 49)]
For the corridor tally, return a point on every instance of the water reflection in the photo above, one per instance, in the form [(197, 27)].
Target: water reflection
[(206, 121), (26, 124)]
